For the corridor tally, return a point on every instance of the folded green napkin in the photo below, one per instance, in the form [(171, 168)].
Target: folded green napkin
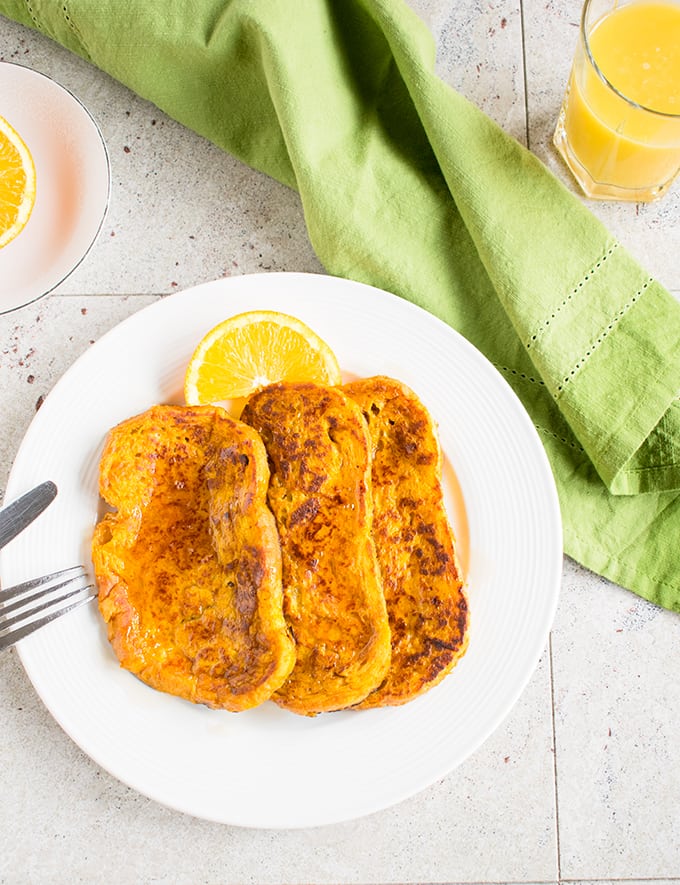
[(407, 186)]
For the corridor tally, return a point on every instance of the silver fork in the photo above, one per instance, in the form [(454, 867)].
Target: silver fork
[(26, 607)]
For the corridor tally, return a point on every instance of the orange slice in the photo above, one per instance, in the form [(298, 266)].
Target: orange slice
[(17, 183), (248, 351)]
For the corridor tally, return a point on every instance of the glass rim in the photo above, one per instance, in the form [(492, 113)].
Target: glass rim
[(586, 42)]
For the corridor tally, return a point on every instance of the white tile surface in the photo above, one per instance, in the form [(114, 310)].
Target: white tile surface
[(582, 781), (617, 721)]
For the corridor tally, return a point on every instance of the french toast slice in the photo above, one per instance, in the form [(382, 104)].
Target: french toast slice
[(320, 493), (189, 566), (422, 583)]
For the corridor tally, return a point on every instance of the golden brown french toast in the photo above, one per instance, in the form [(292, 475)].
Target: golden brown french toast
[(320, 494), (189, 566), (423, 587)]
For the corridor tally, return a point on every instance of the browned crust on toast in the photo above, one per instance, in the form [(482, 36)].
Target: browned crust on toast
[(320, 494), (423, 587), (188, 566)]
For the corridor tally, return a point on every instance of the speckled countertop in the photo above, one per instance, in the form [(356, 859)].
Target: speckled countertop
[(582, 780)]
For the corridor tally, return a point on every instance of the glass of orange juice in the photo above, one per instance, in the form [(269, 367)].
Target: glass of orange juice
[(619, 126)]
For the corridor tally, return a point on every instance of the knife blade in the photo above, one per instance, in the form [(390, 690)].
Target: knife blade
[(16, 516)]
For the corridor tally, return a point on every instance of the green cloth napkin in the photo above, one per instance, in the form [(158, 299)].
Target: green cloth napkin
[(409, 187)]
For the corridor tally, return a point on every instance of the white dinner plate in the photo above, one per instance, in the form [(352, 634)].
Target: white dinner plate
[(268, 767), (72, 184)]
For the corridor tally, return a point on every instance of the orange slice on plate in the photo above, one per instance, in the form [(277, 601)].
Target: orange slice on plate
[(17, 183), (250, 350)]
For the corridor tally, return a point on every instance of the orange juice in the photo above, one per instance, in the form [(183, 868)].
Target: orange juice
[(620, 123)]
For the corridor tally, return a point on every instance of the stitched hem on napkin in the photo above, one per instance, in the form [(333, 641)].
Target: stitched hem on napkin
[(614, 371), (623, 401)]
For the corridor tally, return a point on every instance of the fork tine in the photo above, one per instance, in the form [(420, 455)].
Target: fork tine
[(34, 583), (14, 636), (7, 624), (40, 596), (43, 593)]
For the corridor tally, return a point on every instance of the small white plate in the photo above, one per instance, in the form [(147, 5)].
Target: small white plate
[(72, 185), (268, 767)]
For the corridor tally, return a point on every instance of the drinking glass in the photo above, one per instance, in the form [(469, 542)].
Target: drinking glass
[(619, 126)]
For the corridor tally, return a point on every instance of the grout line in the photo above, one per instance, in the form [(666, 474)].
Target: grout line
[(524, 72), (578, 880), (622, 879), (581, 880), (109, 294), (554, 742)]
